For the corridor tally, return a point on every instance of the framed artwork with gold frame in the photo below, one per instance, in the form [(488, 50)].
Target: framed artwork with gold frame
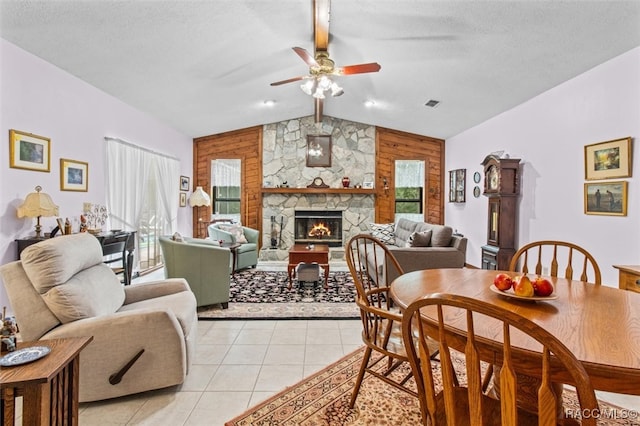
[(608, 160), (28, 151), (74, 175), (606, 198)]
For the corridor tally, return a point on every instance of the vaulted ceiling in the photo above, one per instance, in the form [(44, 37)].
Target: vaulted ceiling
[(205, 67)]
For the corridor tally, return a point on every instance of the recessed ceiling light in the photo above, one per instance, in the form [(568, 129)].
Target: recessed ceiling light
[(269, 102), (369, 104), (432, 103)]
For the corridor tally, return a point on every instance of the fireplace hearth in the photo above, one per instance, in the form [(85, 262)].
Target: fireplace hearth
[(318, 226)]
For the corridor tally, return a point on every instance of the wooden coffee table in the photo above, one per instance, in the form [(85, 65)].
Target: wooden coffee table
[(304, 253)]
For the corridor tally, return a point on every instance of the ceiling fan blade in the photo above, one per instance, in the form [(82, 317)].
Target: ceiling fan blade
[(321, 12), (306, 56), (318, 110), (290, 80), (359, 69)]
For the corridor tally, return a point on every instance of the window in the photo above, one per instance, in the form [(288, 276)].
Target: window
[(409, 200), (409, 189), (226, 178), (226, 199)]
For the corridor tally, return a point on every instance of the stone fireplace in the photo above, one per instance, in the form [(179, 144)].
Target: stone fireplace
[(318, 227), (286, 178)]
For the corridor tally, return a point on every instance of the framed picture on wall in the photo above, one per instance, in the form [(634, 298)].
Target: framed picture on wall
[(606, 198), (29, 151), (608, 160), (184, 183), (318, 150), (74, 175), (183, 199)]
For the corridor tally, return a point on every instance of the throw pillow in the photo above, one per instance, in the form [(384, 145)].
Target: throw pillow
[(236, 231), (383, 232), (420, 239), (177, 237)]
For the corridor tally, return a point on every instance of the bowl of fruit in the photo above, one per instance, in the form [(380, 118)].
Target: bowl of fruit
[(523, 287)]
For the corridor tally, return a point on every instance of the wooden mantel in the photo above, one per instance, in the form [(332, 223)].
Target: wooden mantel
[(318, 191)]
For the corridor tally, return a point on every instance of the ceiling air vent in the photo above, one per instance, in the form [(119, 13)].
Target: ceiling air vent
[(432, 103)]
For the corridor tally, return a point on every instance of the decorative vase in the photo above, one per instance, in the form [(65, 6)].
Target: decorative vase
[(346, 181)]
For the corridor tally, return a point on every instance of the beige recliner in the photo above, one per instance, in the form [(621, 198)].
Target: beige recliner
[(61, 288)]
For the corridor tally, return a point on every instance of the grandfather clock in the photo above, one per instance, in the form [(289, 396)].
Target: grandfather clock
[(502, 187)]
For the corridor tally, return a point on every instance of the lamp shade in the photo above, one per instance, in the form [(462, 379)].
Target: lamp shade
[(199, 198), (38, 204)]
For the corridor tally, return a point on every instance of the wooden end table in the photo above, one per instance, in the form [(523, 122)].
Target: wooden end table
[(49, 386), (234, 254), (319, 253)]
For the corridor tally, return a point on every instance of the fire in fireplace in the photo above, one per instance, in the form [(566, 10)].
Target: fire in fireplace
[(318, 226)]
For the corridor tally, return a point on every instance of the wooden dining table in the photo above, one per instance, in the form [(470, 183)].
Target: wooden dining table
[(599, 324)]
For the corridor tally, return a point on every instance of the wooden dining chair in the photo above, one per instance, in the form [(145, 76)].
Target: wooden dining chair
[(556, 256), (478, 330), (547, 257), (369, 262)]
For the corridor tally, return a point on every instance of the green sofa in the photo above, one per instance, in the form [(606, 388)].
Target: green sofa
[(203, 263), (247, 252)]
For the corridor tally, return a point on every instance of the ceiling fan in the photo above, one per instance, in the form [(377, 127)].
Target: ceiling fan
[(321, 68)]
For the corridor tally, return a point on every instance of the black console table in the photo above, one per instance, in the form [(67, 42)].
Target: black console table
[(105, 238)]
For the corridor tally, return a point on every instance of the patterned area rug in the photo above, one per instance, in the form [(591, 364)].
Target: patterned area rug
[(323, 399), (259, 294)]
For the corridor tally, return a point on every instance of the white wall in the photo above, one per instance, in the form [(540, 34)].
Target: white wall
[(549, 133), (37, 97)]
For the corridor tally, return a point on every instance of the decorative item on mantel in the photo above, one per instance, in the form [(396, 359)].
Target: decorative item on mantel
[(318, 183), (37, 204), (346, 181)]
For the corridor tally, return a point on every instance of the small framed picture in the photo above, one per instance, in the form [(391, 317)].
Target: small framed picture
[(183, 199), (74, 175), (606, 198), (60, 223), (29, 151), (318, 150), (184, 183), (608, 160), (367, 185)]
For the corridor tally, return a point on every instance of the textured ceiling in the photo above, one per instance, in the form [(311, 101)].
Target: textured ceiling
[(204, 67)]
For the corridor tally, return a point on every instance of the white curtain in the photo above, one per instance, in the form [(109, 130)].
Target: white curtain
[(225, 172), (167, 174), (409, 174), (128, 169)]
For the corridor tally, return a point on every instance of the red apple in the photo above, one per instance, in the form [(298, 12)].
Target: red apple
[(503, 282), (523, 286), (542, 287)]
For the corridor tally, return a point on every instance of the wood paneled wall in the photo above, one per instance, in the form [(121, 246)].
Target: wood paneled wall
[(394, 145), (246, 145), (391, 145)]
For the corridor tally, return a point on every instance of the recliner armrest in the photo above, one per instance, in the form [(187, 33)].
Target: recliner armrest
[(137, 292)]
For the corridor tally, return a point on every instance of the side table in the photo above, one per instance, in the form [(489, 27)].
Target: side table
[(234, 255), (48, 386), (629, 277)]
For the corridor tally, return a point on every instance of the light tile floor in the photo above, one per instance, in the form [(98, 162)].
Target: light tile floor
[(237, 365), (240, 363)]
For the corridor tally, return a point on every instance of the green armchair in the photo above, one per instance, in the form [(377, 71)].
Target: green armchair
[(204, 264), (247, 252)]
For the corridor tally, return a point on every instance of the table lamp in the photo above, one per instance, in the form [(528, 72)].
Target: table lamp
[(38, 204), (197, 199)]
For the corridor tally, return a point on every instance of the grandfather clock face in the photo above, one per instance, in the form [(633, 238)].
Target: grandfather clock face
[(492, 178)]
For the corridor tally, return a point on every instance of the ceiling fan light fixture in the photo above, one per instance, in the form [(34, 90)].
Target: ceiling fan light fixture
[(309, 86), (319, 93), (336, 90)]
